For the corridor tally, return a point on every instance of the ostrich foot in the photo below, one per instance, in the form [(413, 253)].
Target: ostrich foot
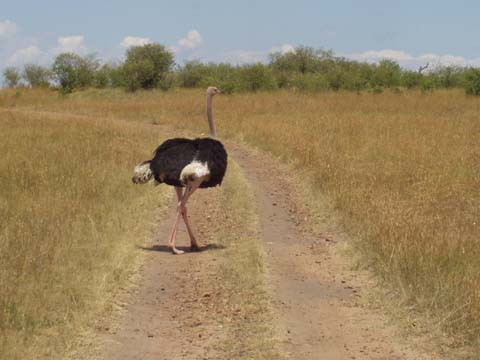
[(176, 251), (194, 246)]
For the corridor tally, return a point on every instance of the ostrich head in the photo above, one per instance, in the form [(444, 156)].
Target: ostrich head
[(212, 90)]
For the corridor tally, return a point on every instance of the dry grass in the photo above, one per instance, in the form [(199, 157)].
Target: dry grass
[(249, 318), (402, 171), (69, 221)]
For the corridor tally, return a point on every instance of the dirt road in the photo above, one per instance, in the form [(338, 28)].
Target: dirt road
[(172, 311)]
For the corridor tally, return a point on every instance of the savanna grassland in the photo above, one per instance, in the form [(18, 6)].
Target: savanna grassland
[(401, 172), (69, 224)]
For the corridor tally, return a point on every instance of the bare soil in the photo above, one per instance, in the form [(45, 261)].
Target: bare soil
[(319, 304)]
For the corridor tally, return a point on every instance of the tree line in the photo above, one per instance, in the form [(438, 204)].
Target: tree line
[(304, 69)]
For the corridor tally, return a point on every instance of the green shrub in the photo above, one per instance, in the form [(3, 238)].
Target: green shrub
[(411, 79), (109, 75), (11, 77), (73, 71), (36, 75), (448, 76), (472, 85), (377, 89), (387, 74), (427, 84), (257, 77), (139, 74), (193, 74), (303, 59), (309, 82), (147, 67), (226, 76), (102, 78)]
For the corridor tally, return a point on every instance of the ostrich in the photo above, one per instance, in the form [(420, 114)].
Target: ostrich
[(186, 164)]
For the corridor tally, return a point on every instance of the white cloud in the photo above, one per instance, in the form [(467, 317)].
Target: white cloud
[(192, 40), (7, 28), (284, 49), (245, 56), (251, 56), (129, 41), (173, 49), (449, 60), (373, 55), (30, 54), (75, 44), (413, 62)]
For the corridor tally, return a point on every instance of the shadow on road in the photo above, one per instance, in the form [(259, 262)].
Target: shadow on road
[(165, 248)]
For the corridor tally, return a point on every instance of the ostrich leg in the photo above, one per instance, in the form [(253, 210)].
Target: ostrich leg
[(193, 241), (189, 190)]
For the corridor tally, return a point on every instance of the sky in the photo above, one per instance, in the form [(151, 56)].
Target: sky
[(410, 32)]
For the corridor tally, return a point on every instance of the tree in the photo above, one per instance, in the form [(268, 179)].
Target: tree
[(109, 75), (12, 76), (472, 77), (257, 77), (73, 71), (36, 75), (147, 67), (303, 59), (193, 73), (449, 76), (387, 74), (411, 79)]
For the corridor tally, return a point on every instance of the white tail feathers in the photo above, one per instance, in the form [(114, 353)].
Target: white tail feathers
[(194, 171), (142, 173)]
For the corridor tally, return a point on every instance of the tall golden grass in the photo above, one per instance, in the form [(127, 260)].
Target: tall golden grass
[(401, 170), (69, 221)]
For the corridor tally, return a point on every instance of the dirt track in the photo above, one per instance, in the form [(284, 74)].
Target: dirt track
[(317, 302)]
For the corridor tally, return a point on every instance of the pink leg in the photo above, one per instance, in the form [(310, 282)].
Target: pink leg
[(173, 235), (189, 190), (193, 241)]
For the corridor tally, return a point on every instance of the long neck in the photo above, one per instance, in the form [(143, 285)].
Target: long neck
[(213, 131)]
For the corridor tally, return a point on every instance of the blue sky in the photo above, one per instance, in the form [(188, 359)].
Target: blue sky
[(411, 32)]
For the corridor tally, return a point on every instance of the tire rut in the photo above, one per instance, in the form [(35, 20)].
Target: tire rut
[(318, 301)]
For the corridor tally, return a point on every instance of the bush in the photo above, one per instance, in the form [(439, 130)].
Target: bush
[(109, 75), (257, 77), (193, 74), (147, 67), (226, 76), (426, 84), (308, 82), (12, 76), (102, 78), (411, 79), (472, 85), (73, 71), (387, 74), (303, 59), (138, 74), (447, 76), (377, 89), (36, 75)]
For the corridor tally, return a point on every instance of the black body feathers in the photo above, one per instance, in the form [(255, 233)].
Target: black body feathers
[(174, 154)]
